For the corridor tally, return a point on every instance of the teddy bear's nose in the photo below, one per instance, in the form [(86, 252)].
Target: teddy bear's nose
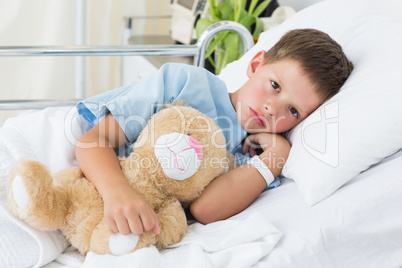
[(180, 155), (196, 146)]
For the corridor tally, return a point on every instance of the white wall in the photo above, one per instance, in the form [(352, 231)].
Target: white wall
[(33, 23), (52, 22)]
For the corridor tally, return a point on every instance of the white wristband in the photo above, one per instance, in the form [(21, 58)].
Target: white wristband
[(262, 168)]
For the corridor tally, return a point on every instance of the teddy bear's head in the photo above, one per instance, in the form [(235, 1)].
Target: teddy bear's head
[(181, 150)]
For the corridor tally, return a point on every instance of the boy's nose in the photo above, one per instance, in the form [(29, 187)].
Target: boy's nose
[(271, 108)]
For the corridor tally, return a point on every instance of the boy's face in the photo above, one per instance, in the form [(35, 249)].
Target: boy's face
[(276, 97)]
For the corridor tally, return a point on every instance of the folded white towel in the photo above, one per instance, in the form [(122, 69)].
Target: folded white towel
[(229, 243), (16, 237)]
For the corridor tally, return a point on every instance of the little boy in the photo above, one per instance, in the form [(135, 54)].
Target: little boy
[(286, 83)]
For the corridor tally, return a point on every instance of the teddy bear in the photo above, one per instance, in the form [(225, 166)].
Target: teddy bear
[(178, 153)]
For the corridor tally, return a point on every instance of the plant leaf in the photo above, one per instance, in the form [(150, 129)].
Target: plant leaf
[(236, 11), (233, 10), (251, 20), (219, 38), (261, 7), (232, 47), (227, 10), (247, 21), (243, 14), (201, 25), (241, 8), (227, 52), (211, 60), (252, 6), (213, 10), (259, 27)]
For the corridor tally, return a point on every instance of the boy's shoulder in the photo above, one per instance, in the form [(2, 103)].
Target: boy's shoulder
[(182, 67)]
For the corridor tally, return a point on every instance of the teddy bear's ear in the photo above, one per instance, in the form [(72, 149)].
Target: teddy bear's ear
[(175, 103)]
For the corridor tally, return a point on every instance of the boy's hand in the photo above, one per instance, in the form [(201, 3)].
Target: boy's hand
[(264, 141), (276, 150), (125, 211)]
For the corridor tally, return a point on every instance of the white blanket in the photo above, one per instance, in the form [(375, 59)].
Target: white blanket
[(42, 136), (17, 239), (24, 246), (230, 243)]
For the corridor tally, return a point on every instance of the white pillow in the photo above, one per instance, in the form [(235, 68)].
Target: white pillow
[(362, 124)]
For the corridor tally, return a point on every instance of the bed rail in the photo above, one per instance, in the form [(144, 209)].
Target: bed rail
[(197, 50), (35, 104)]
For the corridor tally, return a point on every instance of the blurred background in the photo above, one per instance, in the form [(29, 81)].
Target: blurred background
[(82, 22)]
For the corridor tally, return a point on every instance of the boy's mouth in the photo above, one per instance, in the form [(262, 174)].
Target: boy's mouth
[(258, 118)]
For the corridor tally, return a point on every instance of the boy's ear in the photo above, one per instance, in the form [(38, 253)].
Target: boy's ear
[(255, 62)]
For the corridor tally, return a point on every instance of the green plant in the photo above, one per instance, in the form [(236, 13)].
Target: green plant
[(227, 46)]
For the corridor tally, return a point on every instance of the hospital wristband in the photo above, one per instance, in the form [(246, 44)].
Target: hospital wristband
[(262, 168)]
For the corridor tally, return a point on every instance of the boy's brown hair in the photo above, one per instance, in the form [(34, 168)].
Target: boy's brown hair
[(321, 58)]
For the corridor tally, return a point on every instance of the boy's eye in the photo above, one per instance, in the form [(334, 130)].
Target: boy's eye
[(294, 112), (275, 86)]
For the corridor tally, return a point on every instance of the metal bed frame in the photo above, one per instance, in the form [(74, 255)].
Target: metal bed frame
[(197, 50)]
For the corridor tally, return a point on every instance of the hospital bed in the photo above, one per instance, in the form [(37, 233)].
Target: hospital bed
[(340, 201), (197, 51)]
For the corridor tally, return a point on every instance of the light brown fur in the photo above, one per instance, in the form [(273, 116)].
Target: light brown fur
[(70, 203)]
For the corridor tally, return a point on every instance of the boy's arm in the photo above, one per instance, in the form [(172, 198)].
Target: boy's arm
[(235, 190), (125, 211)]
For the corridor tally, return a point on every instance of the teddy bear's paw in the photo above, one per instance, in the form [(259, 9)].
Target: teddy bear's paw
[(20, 194), (120, 244)]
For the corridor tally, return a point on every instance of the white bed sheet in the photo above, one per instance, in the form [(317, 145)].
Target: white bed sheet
[(358, 226)]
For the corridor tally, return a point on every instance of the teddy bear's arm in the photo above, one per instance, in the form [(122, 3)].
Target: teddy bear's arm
[(173, 223)]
